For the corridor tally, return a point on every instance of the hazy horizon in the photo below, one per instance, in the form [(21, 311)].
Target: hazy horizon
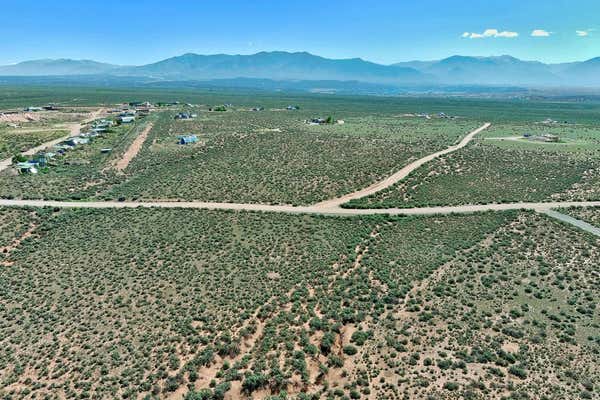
[(300, 51)]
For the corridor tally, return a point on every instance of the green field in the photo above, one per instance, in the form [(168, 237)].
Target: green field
[(494, 110), (273, 157)]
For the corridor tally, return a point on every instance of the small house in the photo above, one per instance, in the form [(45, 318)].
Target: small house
[(76, 140), (105, 150), (292, 108), (42, 159), (62, 148), (103, 123), (317, 121), (188, 139), (26, 168), (185, 115), (33, 109), (550, 138), (127, 119), (322, 121)]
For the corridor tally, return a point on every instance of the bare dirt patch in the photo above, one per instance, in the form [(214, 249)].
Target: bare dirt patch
[(18, 117)]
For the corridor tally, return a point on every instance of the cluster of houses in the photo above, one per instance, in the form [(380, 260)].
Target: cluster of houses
[(546, 137), (44, 158), (127, 112), (127, 117), (440, 115)]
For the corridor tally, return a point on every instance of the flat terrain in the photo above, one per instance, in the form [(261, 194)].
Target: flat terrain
[(21, 131), (514, 315), (13, 141), (499, 171), (78, 174), (590, 215), (264, 302), (274, 157), (228, 269)]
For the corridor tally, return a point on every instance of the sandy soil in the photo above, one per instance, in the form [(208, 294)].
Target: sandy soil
[(134, 148), (18, 117)]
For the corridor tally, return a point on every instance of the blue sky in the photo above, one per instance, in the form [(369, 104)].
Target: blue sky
[(385, 31)]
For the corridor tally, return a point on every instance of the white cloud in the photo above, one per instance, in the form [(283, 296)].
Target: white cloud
[(540, 33), (583, 33), (506, 34), (490, 33)]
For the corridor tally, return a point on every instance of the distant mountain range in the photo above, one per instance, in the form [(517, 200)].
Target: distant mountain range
[(302, 66)]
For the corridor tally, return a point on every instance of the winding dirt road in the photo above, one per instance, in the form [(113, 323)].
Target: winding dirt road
[(403, 173)]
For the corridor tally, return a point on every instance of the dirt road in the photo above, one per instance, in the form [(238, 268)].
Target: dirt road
[(398, 176), (330, 207), (540, 207), (134, 148)]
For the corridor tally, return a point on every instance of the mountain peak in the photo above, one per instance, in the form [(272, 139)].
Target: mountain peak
[(283, 65)]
